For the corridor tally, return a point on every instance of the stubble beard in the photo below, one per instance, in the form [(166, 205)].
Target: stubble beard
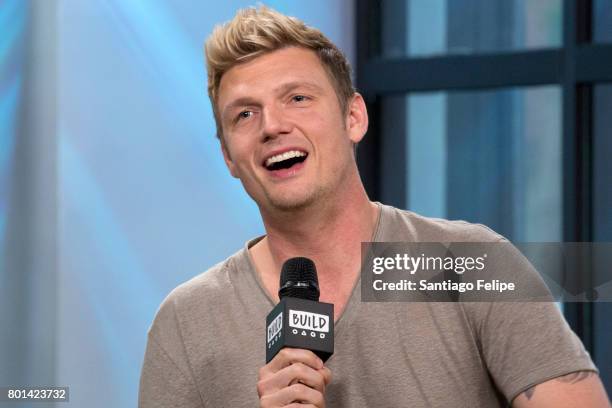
[(319, 192), (288, 202)]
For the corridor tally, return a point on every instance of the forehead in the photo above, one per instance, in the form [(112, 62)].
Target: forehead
[(270, 71)]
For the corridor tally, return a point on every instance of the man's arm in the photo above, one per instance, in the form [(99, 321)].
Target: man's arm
[(579, 389)]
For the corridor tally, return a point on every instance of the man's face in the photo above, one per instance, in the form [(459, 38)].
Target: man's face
[(284, 135)]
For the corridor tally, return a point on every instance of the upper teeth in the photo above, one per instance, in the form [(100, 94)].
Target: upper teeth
[(284, 156)]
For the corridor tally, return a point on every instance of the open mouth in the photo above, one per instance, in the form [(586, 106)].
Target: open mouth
[(285, 160)]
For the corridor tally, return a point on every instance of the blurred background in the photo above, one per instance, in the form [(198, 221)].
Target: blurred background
[(113, 189)]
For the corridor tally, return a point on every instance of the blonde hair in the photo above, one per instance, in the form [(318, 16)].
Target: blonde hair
[(254, 32)]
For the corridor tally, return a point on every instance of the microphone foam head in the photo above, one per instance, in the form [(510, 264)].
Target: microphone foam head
[(299, 279)]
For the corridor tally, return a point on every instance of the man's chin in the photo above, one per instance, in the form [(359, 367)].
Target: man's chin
[(292, 203)]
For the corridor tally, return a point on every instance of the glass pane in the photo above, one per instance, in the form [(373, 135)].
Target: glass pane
[(420, 28), (492, 157), (602, 219), (602, 17), (602, 174)]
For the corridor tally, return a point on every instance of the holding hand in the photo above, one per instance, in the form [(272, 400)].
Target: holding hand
[(294, 378)]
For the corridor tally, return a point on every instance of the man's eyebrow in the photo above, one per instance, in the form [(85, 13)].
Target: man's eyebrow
[(297, 84), (243, 101)]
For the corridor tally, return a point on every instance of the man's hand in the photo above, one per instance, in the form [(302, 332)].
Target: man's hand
[(294, 378), (579, 389)]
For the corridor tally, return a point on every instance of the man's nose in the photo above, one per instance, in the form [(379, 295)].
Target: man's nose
[(275, 123)]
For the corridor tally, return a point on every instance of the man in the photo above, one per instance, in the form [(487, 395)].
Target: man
[(288, 119)]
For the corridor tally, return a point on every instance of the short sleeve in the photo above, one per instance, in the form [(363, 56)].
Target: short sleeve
[(524, 344), (162, 383), (166, 379)]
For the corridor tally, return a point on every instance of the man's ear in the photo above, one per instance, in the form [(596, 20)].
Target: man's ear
[(228, 159), (357, 118)]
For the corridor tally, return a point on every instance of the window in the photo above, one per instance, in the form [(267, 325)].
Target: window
[(513, 95)]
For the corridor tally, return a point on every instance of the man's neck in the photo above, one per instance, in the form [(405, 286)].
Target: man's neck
[(330, 234), (317, 232)]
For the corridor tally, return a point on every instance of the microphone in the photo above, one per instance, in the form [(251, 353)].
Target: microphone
[(299, 320)]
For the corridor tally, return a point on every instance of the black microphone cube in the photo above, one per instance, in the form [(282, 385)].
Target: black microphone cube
[(300, 323)]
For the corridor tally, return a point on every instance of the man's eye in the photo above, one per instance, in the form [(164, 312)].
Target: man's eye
[(244, 115), (300, 98)]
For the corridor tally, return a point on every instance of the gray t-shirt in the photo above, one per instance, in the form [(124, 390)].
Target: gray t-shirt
[(207, 341)]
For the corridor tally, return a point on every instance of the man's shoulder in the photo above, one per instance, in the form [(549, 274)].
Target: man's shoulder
[(213, 283), (404, 225), (201, 292)]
